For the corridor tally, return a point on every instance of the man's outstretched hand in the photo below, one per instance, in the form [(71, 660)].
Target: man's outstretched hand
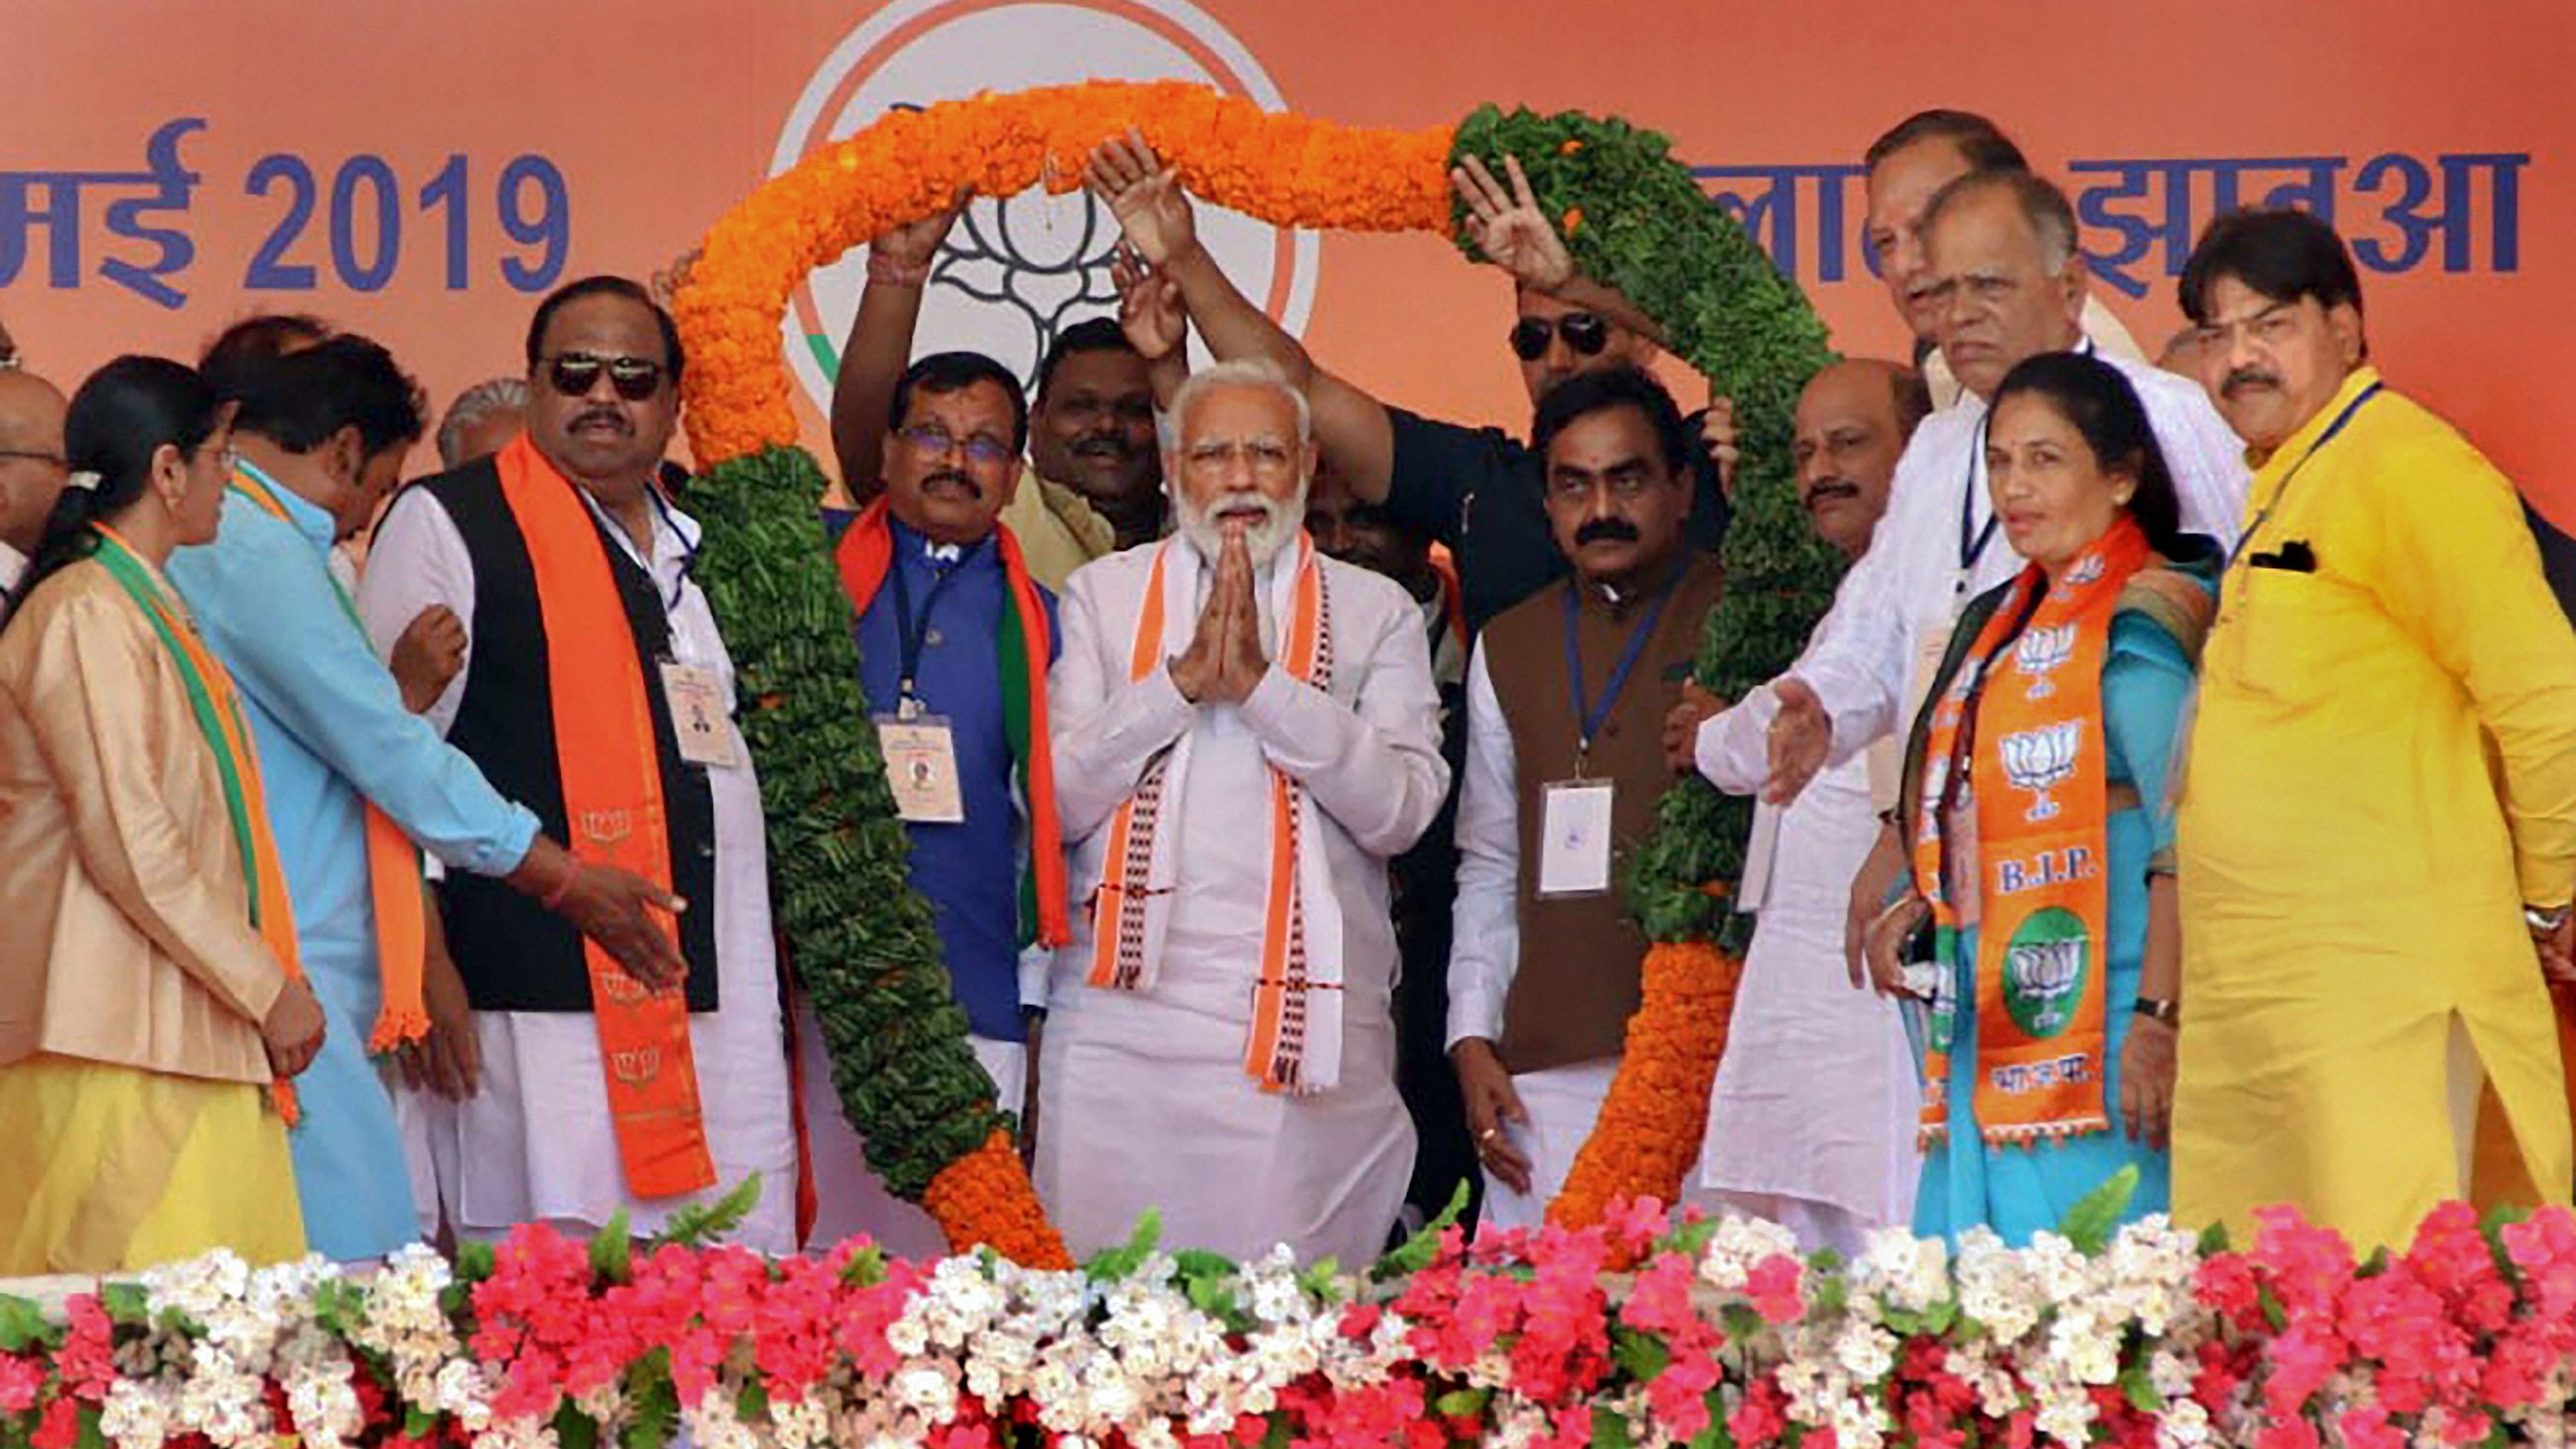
[(1508, 227)]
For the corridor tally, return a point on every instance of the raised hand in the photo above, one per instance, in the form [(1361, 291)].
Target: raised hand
[(1198, 671), (1150, 309), (1717, 433), (1145, 195), (665, 284), (1508, 227), (1245, 660), (903, 254), (1681, 726)]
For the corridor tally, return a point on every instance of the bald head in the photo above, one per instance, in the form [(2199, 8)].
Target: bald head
[(1852, 425), (31, 457)]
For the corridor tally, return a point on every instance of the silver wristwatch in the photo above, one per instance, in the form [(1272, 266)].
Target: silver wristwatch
[(2546, 921)]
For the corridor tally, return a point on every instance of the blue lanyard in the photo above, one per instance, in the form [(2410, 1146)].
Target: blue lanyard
[(2246, 538), (912, 636), (1590, 717), (1972, 546)]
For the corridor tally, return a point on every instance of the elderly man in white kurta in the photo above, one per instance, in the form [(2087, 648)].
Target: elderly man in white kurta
[(2004, 282), (1246, 732)]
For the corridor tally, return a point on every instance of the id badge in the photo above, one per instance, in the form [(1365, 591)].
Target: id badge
[(921, 766), (1574, 837), (698, 715)]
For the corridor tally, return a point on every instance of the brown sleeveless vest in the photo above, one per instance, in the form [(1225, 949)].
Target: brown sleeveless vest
[(1580, 957)]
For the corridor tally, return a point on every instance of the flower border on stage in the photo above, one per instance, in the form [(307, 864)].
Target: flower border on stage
[(1723, 1338), (859, 937)]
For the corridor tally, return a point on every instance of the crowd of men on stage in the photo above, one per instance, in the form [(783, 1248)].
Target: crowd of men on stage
[(1347, 721)]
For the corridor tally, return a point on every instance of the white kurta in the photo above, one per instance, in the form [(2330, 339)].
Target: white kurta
[(536, 1143), (1923, 565), (1144, 1102), (1485, 954), (1816, 1101)]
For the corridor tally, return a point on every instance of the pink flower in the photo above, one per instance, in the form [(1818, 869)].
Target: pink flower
[(22, 1378), (1775, 1288)]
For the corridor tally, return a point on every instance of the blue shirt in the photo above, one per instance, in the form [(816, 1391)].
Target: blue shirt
[(969, 872), (331, 732)]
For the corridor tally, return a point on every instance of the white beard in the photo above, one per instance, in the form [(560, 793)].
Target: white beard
[(1280, 522)]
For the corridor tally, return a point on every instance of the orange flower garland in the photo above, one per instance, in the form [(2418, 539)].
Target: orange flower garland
[(1284, 169), (1649, 1131), (1290, 171), (983, 1200)]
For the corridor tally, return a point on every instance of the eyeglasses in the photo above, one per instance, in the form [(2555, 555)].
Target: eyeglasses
[(1586, 332), (54, 459), (574, 374), (1267, 458), (932, 441)]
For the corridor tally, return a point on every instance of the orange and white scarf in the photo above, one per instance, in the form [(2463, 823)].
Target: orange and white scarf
[(1295, 1044), (2011, 841)]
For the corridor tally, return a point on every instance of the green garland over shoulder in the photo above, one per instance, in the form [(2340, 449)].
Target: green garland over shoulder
[(863, 942), (1635, 220)]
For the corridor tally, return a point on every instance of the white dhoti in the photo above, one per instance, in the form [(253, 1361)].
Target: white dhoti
[(1563, 1104), (849, 1198), (1811, 1122)]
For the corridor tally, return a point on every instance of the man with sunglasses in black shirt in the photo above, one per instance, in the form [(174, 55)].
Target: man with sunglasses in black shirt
[(1477, 490)]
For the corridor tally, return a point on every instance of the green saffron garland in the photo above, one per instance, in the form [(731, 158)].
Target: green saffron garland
[(1642, 225), (861, 936)]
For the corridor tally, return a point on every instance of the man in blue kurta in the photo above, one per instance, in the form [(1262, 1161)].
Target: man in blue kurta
[(954, 641), (321, 435)]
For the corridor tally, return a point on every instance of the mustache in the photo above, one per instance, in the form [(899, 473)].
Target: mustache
[(957, 476), (1615, 529), (2245, 377), (1103, 445), (1829, 490), (613, 416)]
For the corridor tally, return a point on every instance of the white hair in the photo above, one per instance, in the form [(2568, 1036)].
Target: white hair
[(472, 406), (1256, 372)]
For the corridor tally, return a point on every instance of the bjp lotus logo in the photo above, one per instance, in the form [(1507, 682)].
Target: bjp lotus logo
[(2041, 653), (1016, 271), (2044, 971), (2040, 760)]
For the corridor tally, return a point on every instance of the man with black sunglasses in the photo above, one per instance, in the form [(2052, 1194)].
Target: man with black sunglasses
[(1478, 491), (598, 690)]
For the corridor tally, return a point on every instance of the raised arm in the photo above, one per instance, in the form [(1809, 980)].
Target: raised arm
[(879, 346), (1145, 195)]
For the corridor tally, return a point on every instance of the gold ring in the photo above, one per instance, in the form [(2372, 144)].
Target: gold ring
[(1489, 1134)]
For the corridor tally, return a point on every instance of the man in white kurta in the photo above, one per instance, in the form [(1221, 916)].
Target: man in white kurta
[(2006, 283), (1191, 741), (1811, 1121), (536, 1143)]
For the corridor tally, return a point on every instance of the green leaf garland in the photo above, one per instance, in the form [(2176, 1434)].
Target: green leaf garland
[(838, 857), (1635, 220)]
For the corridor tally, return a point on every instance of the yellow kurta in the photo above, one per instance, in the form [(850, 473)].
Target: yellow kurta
[(1058, 530), (2383, 773)]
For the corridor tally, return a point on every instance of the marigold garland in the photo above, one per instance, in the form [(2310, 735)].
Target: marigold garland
[(1633, 217)]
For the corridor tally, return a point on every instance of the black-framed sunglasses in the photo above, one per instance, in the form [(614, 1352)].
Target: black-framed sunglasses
[(1586, 332), (574, 374)]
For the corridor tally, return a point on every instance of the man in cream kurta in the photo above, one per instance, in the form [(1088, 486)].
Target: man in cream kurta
[(1149, 1097), (2378, 829)]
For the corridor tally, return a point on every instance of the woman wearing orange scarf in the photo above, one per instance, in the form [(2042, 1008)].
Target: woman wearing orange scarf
[(150, 1006), (2039, 821)]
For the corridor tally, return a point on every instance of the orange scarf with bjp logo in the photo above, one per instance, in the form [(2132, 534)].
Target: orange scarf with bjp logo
[(2012, 842), (610, 764)]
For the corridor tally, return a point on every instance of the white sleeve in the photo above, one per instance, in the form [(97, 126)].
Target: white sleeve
[(1733, 748), (1859, 658), (419, 559), (1104, 727), (2206, 458), (1485, 943)]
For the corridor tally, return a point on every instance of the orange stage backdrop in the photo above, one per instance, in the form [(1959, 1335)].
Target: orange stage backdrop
[(420, 172)]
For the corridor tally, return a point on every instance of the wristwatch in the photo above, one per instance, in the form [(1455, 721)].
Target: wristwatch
[(2545, 921), (2161, 1008)]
